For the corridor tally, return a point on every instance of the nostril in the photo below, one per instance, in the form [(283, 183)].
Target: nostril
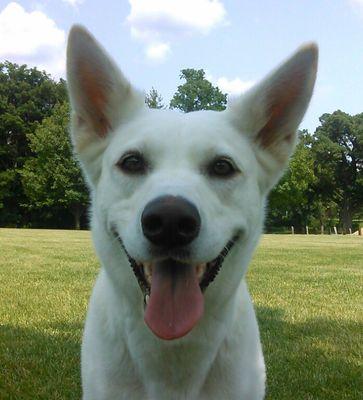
[(187, 226), (153, 224)]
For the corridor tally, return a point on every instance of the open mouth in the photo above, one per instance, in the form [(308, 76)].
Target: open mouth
[(173, 291)]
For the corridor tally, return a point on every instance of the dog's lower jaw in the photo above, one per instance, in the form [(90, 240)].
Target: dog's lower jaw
[(219, 348)]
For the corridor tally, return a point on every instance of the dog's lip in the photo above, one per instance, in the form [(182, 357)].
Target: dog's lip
[(206, 271)]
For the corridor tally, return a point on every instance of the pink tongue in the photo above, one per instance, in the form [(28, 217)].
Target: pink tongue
[(176, 302)]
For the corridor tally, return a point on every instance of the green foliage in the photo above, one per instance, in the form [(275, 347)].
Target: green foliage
[(26, 97), (154, 100), (324, 181), (338, 151), (290, 202), (52, 178), (197, 93)]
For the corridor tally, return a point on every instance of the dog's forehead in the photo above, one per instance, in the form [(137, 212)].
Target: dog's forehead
[(169, 131)]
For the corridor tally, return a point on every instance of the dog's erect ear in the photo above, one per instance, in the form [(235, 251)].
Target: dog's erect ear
[(101, 97), (272, 110)]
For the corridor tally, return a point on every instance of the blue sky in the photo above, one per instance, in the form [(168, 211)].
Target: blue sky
[(236, 42)]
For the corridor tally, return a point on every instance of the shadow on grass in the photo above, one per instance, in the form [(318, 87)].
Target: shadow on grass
[(314, 360), (40, 363)]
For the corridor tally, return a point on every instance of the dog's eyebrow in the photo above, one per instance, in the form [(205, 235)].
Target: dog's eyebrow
[(142, 145), (140, 149), (132, 150)]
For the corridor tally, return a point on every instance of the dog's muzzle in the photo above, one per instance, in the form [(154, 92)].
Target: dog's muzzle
[(173, 285), (173, 290)]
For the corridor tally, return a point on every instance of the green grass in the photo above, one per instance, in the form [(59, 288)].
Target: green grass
[(307, 291)]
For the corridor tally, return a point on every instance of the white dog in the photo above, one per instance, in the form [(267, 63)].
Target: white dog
[(177, 210)]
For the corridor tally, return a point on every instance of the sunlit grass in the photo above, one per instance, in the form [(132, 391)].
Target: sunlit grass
[(308, 295), (307, 291)]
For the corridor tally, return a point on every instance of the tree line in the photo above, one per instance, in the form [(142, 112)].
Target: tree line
[(41, 184)]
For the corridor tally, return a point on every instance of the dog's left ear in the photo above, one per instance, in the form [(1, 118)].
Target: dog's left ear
[(271, 112)]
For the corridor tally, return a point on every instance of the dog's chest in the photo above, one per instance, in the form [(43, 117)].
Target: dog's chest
[(192, 372), (222, 379), (176, 372)]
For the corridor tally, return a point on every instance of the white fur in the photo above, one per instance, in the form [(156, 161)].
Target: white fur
[(221, 358)]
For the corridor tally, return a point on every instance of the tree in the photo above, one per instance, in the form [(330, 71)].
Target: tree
[(338, 148), (52, 178), (197, 93), (291, 202), (26, 97), (154, 99)]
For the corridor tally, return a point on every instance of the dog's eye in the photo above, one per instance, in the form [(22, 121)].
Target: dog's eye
[(132, 163), (222, 167)]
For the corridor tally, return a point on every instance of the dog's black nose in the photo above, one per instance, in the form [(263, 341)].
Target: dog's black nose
[(170, 221)]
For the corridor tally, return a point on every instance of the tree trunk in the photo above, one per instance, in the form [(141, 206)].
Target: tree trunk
[(346, 216), (77, 222), (77, 211)]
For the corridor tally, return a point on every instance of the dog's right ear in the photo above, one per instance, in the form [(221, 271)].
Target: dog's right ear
[(100, 96), (270, 112)]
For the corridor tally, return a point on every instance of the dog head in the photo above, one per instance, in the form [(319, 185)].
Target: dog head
[(180, 192)]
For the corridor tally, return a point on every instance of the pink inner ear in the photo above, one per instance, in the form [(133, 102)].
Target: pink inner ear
[(282, 100), (94, 87)]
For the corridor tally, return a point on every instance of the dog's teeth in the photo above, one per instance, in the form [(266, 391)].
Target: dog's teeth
[(147, 297), (148, 272), (200, 270)]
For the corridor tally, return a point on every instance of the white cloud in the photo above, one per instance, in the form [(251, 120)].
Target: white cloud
[(165, 20), (32, 38), (233, 86), (158, 51), (175, 16)]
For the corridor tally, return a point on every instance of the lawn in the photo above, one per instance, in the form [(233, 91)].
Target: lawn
[(307, 292)]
